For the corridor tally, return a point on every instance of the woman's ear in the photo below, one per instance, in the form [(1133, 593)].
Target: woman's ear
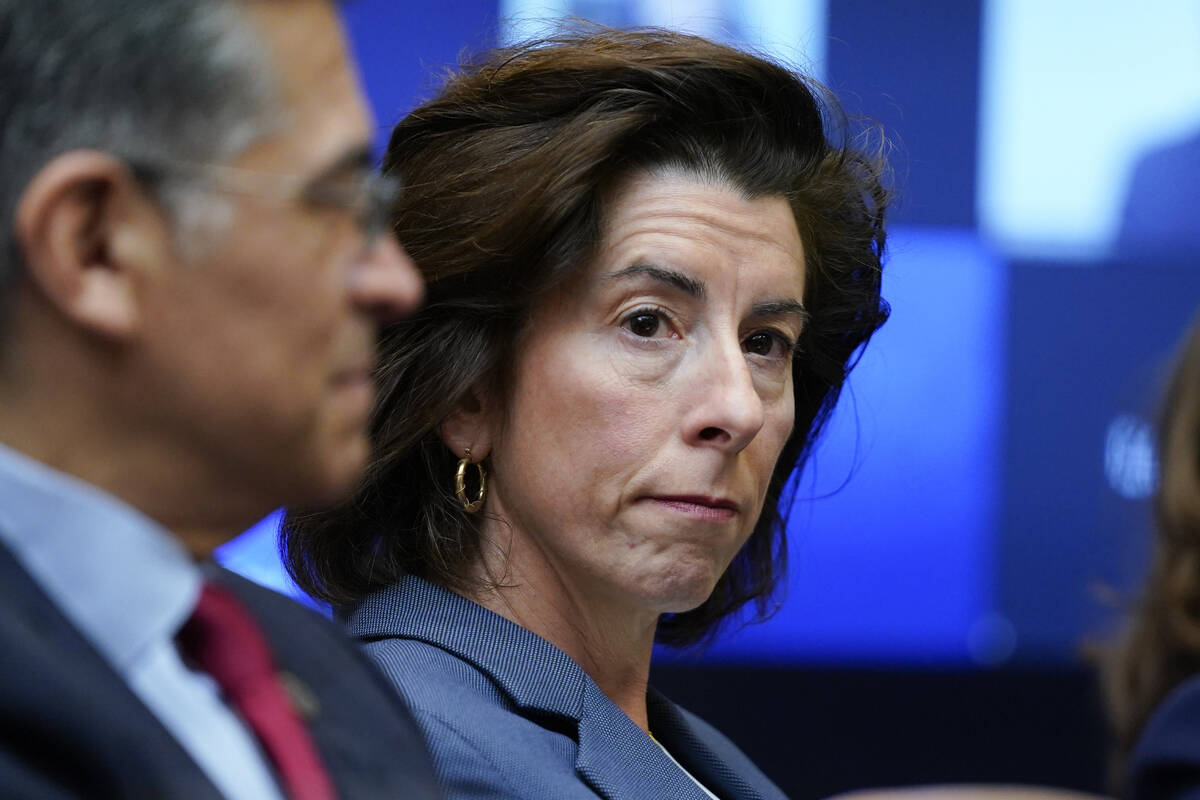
[(471, 426)]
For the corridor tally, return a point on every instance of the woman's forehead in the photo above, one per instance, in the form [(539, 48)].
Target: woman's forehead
[(694, 224)]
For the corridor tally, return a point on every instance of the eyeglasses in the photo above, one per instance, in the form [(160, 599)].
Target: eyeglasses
[(367, 194)]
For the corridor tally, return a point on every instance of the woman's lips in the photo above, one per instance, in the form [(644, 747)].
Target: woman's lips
[(714, 509)]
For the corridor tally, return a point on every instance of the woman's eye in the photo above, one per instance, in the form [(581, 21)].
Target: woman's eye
[(765, 344), (644, 323)]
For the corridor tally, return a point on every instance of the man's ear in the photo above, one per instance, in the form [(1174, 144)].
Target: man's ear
[(471, 426), (86, 230)]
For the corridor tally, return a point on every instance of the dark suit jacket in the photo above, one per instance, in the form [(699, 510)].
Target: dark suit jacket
[(1165, 764), (71, 728), (509, 715)]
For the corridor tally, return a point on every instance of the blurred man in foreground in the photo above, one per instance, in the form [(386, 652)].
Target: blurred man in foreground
[(192, 265)]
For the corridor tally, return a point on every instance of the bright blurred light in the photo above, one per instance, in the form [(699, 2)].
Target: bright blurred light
[(793, 32), (1072, 93), (1129, 463)]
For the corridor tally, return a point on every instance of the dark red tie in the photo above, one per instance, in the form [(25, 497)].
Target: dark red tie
[(222, 639)]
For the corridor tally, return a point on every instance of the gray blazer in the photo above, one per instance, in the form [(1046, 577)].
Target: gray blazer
[(506, 714)]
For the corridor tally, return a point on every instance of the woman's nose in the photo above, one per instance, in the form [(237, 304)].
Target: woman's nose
[(726, 409)]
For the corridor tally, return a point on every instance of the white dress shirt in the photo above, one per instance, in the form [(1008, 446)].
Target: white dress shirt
[(128, 586)]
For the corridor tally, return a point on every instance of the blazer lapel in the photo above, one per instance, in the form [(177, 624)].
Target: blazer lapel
[(619, 761), (614, 756), (64, 709), (373, 755), (723, 776)]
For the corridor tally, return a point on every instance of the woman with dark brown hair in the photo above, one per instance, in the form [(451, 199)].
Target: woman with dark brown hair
[(1154, 677), (651, 261)]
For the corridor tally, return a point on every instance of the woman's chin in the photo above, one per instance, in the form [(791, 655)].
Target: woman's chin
[(681, 593)]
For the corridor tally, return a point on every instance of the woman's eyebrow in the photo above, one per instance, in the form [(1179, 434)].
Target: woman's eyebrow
[(674, 278), (783, 307), (779, 307)]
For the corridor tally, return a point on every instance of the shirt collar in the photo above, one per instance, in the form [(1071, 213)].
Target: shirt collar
[(117, 575)]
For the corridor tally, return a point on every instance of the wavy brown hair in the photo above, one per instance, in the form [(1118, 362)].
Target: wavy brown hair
[(508, 173), (1160, 648)]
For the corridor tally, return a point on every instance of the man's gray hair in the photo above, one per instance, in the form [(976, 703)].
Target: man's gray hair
[(155, 81)]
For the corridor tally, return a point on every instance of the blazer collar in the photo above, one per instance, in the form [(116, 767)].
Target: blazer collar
[(58, 683), (618, 759), (614, 756), (535, 674), (681, 738)]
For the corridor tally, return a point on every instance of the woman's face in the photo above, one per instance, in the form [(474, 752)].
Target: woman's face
[(652, 396)]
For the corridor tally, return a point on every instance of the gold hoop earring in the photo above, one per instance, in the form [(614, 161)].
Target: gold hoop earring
[(460, 484)]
